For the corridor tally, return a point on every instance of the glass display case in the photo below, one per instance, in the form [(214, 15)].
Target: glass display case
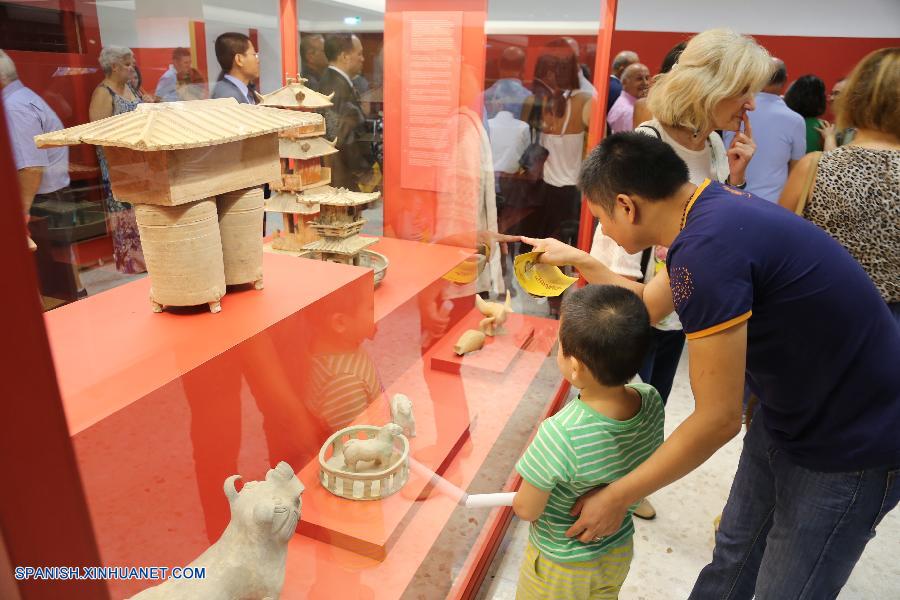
[(161, 408)]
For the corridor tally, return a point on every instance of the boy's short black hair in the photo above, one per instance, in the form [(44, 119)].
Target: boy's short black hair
[(607, 328), (633, 164)]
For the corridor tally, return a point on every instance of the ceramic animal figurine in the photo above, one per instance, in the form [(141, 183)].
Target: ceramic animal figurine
[(377, 449), (494, 313), (248, 560), (402, 414), (470, 341)]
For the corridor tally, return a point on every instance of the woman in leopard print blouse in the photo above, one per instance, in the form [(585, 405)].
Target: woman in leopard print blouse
[(856, 193)]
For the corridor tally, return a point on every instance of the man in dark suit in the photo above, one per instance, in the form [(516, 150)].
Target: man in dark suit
[(313, 61), (240, 68), (345, 119)]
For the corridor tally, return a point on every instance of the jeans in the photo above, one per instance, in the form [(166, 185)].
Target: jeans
[(789, 533), (661, 361)]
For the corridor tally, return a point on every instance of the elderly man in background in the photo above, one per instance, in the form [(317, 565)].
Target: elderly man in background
[(622, 61), (181, 81), (42, 174), (635, 84), (313, 61)]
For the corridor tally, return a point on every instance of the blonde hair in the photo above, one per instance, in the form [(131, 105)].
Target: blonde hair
[(871, 95), (715, 65)]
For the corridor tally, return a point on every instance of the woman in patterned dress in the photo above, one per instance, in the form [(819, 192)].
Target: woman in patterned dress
[(855, 194), (115, 96)]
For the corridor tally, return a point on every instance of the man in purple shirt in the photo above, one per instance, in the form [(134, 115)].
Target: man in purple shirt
[(780, 136), (635, 84)]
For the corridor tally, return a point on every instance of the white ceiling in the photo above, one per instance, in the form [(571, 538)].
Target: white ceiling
[(838, 18)]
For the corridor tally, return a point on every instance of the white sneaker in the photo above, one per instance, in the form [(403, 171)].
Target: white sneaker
[(645, 510)]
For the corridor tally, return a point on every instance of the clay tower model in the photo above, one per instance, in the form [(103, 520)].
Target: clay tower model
[(329, 219)]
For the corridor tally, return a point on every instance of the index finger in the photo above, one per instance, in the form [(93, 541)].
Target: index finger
[(533, 242)]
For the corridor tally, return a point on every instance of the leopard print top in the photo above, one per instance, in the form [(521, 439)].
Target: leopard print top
[(856, 199)]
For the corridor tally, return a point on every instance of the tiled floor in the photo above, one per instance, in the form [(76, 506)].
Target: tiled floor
[(671, 550)]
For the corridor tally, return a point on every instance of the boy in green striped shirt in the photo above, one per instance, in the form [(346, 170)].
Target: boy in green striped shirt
[(601, 436)]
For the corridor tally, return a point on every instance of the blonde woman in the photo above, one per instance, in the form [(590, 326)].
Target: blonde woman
[(853, 192), (115, 96)]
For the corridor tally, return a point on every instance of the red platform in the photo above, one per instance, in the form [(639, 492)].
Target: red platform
[(413, 266), (371, 527), (498, 352), (111, 350), (163, 407)]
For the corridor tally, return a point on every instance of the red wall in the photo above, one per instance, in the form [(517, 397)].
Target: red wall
[(828, 57)]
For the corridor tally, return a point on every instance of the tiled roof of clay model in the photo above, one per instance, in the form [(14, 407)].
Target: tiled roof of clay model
[(350, 246), (305, 149), (332, 196), (291, 202), (179, 125), (297, 95)]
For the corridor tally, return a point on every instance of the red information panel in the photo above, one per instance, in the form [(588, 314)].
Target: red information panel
[(432, 47)]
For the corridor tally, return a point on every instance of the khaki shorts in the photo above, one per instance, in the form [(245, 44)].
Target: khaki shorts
[(600, 579)]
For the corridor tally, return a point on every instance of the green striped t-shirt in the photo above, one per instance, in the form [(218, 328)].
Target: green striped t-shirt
[(578, 449)]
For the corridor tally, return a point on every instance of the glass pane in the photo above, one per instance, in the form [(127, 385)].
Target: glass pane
[(328, 287)]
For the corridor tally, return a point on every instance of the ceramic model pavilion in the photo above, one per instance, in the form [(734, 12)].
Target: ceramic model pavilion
[(193, 170)]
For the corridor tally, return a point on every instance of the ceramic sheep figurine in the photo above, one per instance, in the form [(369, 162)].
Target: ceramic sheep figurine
[(248, 560), (377, 449), (402, 414), (495, 314)]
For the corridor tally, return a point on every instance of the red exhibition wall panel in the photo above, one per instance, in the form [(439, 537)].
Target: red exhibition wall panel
[(428, 194)]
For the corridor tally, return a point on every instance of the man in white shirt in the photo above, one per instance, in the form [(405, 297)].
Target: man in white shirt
[(509, 138), (583, 84), (780, 136)]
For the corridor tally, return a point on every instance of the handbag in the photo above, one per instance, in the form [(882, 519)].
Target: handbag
[(531, 163), (806, 193)]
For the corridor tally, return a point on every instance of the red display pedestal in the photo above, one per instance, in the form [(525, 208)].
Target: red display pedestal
[(499, 350), (370, 527), (163, 407)]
